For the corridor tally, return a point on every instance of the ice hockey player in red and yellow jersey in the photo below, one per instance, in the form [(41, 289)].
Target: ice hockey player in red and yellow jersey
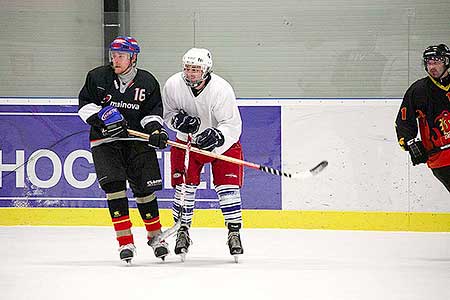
[(428, 101)]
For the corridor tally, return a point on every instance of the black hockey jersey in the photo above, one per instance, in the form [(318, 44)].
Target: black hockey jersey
[(428, 101), (140, 103)]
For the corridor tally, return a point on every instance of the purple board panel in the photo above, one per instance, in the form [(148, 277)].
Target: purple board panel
[(44, 160)]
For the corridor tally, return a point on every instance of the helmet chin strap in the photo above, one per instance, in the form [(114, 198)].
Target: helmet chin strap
[(191, 84), (195, 84), (440, 75), (443, 72), (127, 70)]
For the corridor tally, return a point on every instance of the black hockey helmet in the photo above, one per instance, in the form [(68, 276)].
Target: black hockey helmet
[(438, 52)]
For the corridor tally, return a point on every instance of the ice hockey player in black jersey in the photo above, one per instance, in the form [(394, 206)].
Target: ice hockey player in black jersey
[(428, 100), (114, 98)]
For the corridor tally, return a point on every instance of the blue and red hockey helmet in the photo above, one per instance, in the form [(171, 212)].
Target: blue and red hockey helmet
[(125, 44)]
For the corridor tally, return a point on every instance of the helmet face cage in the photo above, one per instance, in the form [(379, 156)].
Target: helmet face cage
[(197, 57), (126, 44), (438, 53)]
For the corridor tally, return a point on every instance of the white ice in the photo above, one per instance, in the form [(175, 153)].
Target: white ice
[(82, 263)]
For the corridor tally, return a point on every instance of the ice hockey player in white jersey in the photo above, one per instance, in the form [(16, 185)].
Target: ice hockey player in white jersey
[(202, 105)]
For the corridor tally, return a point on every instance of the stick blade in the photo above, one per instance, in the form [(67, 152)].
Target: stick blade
[(312, 172), (319, 168), (165, 234)]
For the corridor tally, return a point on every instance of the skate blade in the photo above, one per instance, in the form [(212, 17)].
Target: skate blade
[(163, 257), (236, 256), (127, 261), (183, 255)]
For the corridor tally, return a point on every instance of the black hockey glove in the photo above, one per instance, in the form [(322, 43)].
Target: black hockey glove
[(115, 124), (209, 139), (95, 121), (185, 123), (417, 151), (157, 135)]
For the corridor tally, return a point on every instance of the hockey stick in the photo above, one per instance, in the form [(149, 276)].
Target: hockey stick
[(172, 230), (298, 175), (183, 185)]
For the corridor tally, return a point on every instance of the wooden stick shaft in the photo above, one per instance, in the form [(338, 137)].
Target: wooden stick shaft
[(314, 171), (200, 151)]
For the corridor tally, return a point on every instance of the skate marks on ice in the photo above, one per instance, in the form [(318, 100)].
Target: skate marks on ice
[(82, 262)]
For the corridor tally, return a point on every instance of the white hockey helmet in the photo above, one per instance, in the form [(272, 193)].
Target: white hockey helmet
[(197, 57)]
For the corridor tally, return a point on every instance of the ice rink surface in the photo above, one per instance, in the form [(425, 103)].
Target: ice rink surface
[(82, 263)]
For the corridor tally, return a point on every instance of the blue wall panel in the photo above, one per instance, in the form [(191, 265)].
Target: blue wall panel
[(30, 128)]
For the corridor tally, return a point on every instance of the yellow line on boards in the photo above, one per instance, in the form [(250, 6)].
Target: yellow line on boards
[(292, 219)]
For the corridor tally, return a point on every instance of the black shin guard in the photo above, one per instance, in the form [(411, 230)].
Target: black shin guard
[(118, 207), (117, 198), (148, 210)]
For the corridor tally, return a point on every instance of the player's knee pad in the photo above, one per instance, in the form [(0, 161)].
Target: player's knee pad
[(228, 194), (115, 186), (186, 192)]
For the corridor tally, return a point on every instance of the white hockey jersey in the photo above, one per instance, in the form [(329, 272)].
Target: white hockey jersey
[(216, 107)]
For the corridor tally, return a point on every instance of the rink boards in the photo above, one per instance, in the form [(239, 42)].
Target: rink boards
[(48, 176)]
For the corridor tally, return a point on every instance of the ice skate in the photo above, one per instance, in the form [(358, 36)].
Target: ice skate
[(160, 248), (183, 242), (127, 252), (234, 241)]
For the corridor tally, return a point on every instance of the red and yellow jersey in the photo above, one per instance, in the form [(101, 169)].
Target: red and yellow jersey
[(426, 107)]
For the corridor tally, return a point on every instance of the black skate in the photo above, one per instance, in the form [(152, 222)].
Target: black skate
[(160, 248), (183, 242), (234, 241), (127, 252)]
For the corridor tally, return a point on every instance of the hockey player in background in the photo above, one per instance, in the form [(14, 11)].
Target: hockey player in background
[(428, 100), (203, 105), (116, 97)]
